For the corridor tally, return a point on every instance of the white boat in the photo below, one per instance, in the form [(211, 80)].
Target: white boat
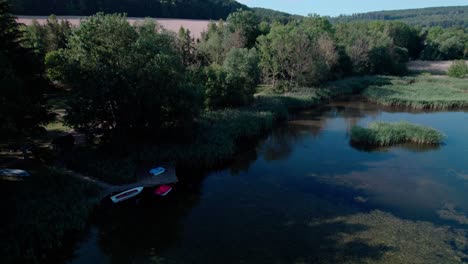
[(14, 173), (157, 171), (126, 195)]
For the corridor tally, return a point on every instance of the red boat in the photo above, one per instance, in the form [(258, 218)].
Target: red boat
[(163, 190)]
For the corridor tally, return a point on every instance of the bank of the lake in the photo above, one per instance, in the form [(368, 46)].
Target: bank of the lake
[(43, 215), (217, 134), (421, 92), (304, 194), (218, 137)]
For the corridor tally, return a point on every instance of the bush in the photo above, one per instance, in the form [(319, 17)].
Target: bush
[(458, 69)]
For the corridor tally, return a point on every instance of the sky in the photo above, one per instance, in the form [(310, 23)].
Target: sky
[(338, 7)]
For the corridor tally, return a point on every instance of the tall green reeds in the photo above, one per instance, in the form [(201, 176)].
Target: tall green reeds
[(421, 92), (386, 134)]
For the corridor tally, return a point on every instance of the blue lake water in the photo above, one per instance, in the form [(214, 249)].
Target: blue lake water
[(261, 206)]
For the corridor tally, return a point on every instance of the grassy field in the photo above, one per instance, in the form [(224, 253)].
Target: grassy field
[(386, 134), (421, 92)]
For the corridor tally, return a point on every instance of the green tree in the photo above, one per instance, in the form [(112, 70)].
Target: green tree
[(445, 44), (301, 53), (212, 43), (125, 81), (51, 36), (245, 23), (234, 83), (22, 105), (373, 47)]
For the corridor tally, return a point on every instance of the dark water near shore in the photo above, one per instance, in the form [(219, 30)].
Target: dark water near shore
[(275, 202)]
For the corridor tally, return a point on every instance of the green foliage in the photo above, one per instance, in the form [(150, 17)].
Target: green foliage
[(247, 24), (301, 53), (378, 47), (217, 41), (445, 44), (126, 81), (458, 69), (49, 37), (22, 106), (234, 83), (386, 134), (421, 92), (206, 9), (40, 211), (423, 17)]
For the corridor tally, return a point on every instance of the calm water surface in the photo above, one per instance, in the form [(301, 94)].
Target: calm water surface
[(261, 208)]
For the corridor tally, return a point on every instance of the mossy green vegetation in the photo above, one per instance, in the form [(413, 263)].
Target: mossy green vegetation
[(421, 92), (398, 240), (40, 211), (458, 69), (386, 134)]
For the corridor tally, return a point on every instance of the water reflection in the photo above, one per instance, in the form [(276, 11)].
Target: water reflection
[(413, 147), (303, 194)]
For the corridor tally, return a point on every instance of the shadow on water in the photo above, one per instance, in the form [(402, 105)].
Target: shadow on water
[(299, 195), (413, 147)]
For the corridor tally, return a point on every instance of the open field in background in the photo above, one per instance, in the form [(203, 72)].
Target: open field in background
[(195, 26), (433, 67)]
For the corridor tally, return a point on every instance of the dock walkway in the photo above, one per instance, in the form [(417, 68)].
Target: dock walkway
[(146, 180)]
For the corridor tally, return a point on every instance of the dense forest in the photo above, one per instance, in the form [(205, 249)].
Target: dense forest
[(424, 17), (195, 9)]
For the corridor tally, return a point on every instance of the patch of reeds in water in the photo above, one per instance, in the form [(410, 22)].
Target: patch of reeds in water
[(386, 134)]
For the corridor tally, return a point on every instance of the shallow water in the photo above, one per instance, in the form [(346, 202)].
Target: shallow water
[(305, 195)]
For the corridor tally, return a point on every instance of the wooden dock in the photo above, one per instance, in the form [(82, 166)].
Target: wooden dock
[(143, 180)]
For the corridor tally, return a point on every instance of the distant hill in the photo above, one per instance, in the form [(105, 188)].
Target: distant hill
[(191, 9), (270, 15), (433, 16)]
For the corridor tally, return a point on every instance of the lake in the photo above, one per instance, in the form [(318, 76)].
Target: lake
[(304, 194)]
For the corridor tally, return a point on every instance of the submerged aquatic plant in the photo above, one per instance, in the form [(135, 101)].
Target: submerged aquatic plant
[(386, 134)]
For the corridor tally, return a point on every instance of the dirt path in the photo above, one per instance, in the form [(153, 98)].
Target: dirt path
[(433, 67)]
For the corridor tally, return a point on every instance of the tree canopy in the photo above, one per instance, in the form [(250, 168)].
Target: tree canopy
[(423, 17), (22, 105), (126, 81)]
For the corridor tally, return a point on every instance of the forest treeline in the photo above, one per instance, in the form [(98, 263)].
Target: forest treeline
[(141, 81), (423, 17), (220, 9)]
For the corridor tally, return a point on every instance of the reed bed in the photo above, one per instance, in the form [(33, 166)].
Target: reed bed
[(421, 92), (387, 134)]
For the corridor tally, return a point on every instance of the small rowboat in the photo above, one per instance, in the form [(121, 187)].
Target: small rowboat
[(126, 195), (162, 190), (157, 171)]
